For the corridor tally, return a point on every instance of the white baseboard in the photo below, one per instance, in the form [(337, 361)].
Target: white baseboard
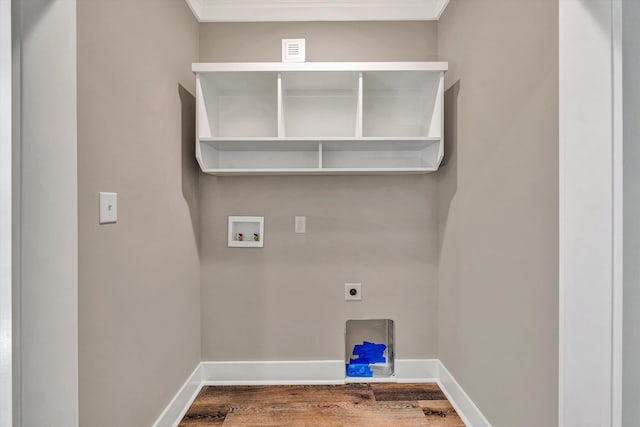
[(174, 412), (464, 406), (417, 370), (273, 373), (313, 372)]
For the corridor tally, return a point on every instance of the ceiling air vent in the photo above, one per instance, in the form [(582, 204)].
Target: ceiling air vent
[(293, 50)]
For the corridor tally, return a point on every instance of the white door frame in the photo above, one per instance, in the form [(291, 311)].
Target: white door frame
[(590, 213), (617, 229), (6, 381)]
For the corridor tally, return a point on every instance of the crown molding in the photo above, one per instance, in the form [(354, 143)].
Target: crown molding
[(316, 10)]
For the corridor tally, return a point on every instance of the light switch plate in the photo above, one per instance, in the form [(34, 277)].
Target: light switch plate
[(301, 224), (108, 208)]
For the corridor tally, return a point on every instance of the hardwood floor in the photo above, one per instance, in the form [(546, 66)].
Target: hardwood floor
[(351, 405)]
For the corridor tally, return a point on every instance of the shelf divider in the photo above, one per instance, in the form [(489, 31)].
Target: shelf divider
[(281, 133), (440, 105), (320, 155), (359, 108)]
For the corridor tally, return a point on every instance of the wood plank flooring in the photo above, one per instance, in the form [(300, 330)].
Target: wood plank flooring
[(350, 405)]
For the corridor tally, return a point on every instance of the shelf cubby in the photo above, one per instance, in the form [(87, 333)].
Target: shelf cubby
[(238, 105), (320, 104), (380, 154), (402, 104), (263, 154)]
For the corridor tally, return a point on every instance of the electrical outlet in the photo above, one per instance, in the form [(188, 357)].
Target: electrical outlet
[(352, 291)]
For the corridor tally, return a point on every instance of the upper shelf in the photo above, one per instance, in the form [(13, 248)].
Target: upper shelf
[(316, 10), (320, 117), (238, 67)]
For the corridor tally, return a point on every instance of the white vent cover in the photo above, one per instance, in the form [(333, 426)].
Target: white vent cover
[(293, 50)]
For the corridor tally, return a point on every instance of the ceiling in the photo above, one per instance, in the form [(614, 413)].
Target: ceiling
[(316, 10)]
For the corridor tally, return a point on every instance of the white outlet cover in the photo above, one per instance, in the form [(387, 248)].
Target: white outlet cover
[(347, 291), (108, 208), (301, 224)]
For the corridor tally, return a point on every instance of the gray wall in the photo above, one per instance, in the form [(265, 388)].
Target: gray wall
[(498, 201), (139, 284), (487, 221), (46, 203), (631, 309), (325, 41), (286, 301)]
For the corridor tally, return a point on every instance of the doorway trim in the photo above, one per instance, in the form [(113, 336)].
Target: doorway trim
[(590, 213), (6, 343)]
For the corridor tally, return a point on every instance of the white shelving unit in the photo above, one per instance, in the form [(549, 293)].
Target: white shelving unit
[(319, 118)]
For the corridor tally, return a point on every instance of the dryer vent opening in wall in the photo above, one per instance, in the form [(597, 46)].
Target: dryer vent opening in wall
[(369, 348), (293, 50)]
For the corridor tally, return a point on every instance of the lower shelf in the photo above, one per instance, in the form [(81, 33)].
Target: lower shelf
[(253, 155), (287, 156), (318, 171)]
